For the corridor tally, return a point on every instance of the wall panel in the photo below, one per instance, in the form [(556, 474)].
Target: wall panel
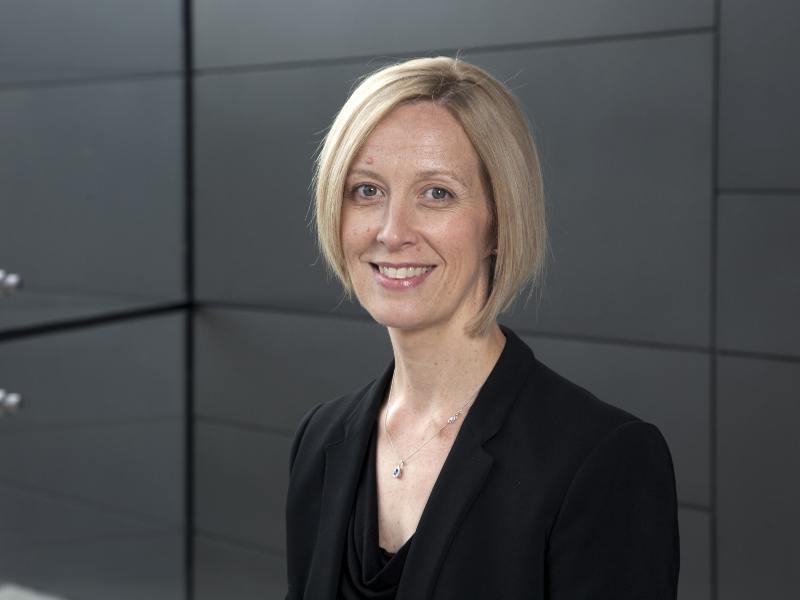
[(758, 274), (759, 92), (269, 368), (694, 581), (758, 488), (131, 467), (50, 40), (134, 568), (241, 476), (233, 572), (624, 131), (238, 33), (92, 188), (74, 376)]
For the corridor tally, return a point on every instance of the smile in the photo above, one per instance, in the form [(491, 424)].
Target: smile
[(403, 272), (401, 277)]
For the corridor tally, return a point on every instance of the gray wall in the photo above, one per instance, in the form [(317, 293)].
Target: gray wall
[(669, 136), (757, 327), (669, 140), (93, 337)]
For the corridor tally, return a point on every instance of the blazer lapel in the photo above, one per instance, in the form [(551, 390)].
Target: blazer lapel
[(463, 475), (343, 461), (465, 471)]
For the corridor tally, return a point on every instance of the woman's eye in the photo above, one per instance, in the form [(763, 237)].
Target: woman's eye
[(366, 190), (439, 193)]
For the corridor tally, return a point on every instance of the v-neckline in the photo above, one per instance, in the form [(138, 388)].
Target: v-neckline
[(373, 493)]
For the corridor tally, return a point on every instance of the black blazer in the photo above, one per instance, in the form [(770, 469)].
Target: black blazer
[(547, 492)]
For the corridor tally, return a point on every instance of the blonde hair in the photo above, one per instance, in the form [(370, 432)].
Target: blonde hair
[(492, 120)]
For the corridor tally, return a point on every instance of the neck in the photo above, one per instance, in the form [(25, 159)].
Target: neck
[(437, 371)]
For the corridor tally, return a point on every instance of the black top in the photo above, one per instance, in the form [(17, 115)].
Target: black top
[(547, 493), (369, 571)]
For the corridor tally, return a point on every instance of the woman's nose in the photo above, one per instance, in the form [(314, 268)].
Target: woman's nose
[(397, 229)]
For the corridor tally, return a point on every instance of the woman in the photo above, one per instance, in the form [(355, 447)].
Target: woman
[(468, 469)]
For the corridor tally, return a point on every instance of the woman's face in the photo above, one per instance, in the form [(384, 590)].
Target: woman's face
[(416, 221)]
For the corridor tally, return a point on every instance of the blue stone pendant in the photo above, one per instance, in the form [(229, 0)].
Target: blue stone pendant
[(397, 472)]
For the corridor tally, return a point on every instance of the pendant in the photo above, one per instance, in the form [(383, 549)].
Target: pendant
[(397, 472)]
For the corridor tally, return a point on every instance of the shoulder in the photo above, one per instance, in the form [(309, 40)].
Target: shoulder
[(563, 401), (590, 433), (555, 415), (544, 398), (588, 446)]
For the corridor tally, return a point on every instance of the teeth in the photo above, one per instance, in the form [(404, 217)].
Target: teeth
[(403, 272)]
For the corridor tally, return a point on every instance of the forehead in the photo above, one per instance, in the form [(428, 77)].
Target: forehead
[(422, 135)]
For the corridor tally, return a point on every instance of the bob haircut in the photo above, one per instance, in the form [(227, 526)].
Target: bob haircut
[(498, 129)]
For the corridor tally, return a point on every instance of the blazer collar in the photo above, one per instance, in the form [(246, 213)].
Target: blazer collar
[(463, 475)]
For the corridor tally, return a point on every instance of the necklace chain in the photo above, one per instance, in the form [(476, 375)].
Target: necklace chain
[(397, 472)]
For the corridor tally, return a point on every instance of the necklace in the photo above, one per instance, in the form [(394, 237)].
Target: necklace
[(397, 472)]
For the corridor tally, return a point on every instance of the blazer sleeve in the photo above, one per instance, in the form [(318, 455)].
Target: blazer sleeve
[(616, 533), (298, 438)]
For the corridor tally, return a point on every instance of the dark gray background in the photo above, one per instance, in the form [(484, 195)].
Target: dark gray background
[(175, 321)]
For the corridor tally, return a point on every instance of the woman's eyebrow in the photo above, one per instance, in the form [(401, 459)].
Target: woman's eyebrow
[(420, 174), (445, 172), (366, 172)]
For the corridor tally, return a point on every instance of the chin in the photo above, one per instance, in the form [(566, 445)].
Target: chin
[(399, 320)]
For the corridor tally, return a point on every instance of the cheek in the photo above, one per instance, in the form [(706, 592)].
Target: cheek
[(465, 239), (355, 237)]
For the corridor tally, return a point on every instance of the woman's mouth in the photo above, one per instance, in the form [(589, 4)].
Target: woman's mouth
[(401, 277)]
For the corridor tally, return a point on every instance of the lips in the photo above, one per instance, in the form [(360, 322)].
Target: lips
[(401, 276)]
